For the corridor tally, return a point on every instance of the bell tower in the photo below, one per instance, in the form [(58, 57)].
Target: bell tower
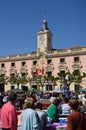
[(44, 39)]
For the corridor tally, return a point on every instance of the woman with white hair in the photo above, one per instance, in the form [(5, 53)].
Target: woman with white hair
[(52, 99), (30, 118)]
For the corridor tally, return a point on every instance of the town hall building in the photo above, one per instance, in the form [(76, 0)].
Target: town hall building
[(44, 60)]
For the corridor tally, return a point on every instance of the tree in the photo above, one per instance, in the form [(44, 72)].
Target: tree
[(3, 79), (68, 78), (17, 79)]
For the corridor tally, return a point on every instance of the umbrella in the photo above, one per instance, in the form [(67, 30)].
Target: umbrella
[(32, 90), (16, 90), (10, 90), (83, 90)]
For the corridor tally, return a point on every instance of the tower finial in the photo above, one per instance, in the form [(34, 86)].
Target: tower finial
[(45, 12), (45, 24)]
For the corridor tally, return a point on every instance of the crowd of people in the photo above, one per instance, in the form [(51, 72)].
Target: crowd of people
[(33, 117)]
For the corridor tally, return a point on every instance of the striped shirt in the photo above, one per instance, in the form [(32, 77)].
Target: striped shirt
[(65, 109)]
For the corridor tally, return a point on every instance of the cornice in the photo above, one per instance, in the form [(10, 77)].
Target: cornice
[(49, 54)]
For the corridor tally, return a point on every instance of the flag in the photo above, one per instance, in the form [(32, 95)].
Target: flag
[(36, 71), (42, 70)]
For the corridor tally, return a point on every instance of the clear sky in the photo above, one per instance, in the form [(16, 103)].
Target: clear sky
[(20, 20)]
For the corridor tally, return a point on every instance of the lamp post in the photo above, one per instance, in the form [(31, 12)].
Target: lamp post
[(42, 81), (42, 84)]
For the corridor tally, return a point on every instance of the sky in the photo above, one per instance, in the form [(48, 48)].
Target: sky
[(20, 20)]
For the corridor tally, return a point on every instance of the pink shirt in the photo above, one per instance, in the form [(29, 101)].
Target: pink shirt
[(8, 116), (0, 117)]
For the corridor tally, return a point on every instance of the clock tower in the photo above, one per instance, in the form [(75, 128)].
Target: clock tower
[(44, 39)]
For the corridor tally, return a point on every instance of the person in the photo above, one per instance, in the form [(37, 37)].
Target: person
[(1, 104), (1, 100), (65, 107), (33, 95), (81, 106), (8, 113), (52, 99), (29, 117), (42, 115), (53, 112), (76, 119), (5, 98)]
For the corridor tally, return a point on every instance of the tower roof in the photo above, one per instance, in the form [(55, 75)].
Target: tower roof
[(45, 26)]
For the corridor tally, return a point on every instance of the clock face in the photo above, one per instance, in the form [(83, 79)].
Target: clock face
[(42, 38)]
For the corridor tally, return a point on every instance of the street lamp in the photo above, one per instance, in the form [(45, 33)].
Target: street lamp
[(42, 84)]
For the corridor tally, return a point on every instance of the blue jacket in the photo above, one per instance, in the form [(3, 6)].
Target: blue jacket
[(30, 120)]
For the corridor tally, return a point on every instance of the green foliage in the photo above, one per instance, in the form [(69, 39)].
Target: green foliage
[(75, 76), (3, 79), (18, 80)]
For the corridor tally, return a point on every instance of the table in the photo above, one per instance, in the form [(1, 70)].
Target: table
[(61, 128), (51, 126), (54, 126), (47, 127)]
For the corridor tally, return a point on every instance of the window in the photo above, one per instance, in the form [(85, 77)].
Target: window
[(23, 63), (76, 87), (25, 88), (62, 60), (2, 75), (48, 87), (23, 74), (49, 61), (49, 74), (62, 71), (34, 62), (12, 74), (12, 87), (76, 59), (62, 75), (33, 74), (2, 65), (12, 64)]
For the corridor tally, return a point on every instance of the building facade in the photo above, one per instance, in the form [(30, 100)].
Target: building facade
[(44, 60)]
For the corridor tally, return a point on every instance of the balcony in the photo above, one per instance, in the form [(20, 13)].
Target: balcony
[(12, 70), (49, 67), (2, 70), (62, 66), (76, 65), (23, 70)]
